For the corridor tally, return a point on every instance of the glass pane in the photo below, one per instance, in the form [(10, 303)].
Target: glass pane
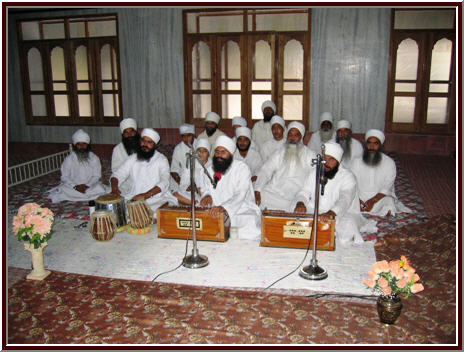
[(53, 30), (436, 110), (83, 86), (407, 58), (201, 65), (102, 28), (293, 85), (77, 29), (230, 60), (85, 105), (110, 105), (57, 60), (34, 63), (231, 105), (201, 105), (293, 107), (438, 88), (38, 105), (282, 22), (293, 60), (108, 67), (192, 22), (59, 86), (256, 101), (441, 60), (417, 19), (213, 24), (262, 60), (82, 70), (30, 30), (109, 85), (230, 85), (405, 87), (61, 105), (261, 85), (403, 109)]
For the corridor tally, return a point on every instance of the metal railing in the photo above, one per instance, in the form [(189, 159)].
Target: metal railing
[(35, 168)]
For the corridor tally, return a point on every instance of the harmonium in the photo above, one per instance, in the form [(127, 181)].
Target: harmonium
[(281, 229), (175, 222)]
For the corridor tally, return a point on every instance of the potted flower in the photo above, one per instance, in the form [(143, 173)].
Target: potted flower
[(392, 280), (33, 225)]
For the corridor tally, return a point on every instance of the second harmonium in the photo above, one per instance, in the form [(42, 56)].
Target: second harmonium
[(175, 222), (280, 229)]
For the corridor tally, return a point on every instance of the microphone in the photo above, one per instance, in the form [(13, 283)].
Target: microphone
[(323, 179)]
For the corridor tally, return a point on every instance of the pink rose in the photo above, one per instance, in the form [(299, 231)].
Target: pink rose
[(28, 208), (402, 283), (46, 212), (416, 277), (17, 224), (417, 288), (372, 275), (41, 225), (382, 282), (381, 267), (369, 283), (386, 290)]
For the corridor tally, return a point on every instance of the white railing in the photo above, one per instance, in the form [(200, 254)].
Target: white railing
[(35, 168)]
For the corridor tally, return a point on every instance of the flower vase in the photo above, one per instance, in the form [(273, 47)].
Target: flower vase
[(38, 271), (389, 309)]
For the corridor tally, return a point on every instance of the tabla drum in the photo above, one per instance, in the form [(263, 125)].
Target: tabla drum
[(102, 225), (114, 204), (140, 217)]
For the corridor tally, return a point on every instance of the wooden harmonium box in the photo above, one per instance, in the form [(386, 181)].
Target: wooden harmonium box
[(280, 229), (175, 222)]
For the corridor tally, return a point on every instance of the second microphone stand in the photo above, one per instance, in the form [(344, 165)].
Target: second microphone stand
[(195, 260)]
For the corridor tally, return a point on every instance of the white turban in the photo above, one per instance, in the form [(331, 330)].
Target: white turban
[(152, 134), (238, 120), (268, 104), (279, 120), (202, 143), (127, 123), (80, 136), (375, 133), (298, 125), (243, 131), (226, 142), (334, 150), (186, 129), (212, 116), (326, 116), (344, 124)]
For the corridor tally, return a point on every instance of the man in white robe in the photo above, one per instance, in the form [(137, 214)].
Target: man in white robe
[(246, 151), (238, 121), (278, 137), (352, 148), (211, 132), (261, 131), (283, 174), (375, 174), (324, 134), (129, 145), (80, 173), (149, 172), (340, 199), (179, 159), (233, 192)]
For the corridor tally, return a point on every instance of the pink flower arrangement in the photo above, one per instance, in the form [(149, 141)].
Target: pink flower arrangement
[(393, 278), (33, 224)]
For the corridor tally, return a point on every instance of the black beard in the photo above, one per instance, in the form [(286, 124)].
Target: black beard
[(345, 143), (131, 144), (221, 165), (82, 154), (210, 131), (268, 117), (331, 174), (244, 149), (145, 156), (372, 159)]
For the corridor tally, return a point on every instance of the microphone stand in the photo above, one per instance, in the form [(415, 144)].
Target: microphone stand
[(195, 260), (314, 271)]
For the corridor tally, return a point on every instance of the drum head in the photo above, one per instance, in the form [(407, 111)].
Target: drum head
[(108, 199)]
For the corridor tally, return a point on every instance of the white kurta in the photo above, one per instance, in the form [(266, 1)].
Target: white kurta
[(213, 138), (379, 179), (144, 176), (278, 184), (340, 196), (178, 163), (198, 177), (315, 141), (234, 193), (75, 173), (252, 159), (270, 147), (261, 133), (117, 159), (356, 152)]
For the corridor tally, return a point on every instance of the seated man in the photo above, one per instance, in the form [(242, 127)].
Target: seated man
[(278, 137), (233, 192), (246, 151), (261, 131), (80, 173), (178, 162), (211, 131), (148, 171), (340, 199), (129, 145), (183, 193), (375, 174), (352, 148), (283, 174), (324, 134), (237, 122)]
